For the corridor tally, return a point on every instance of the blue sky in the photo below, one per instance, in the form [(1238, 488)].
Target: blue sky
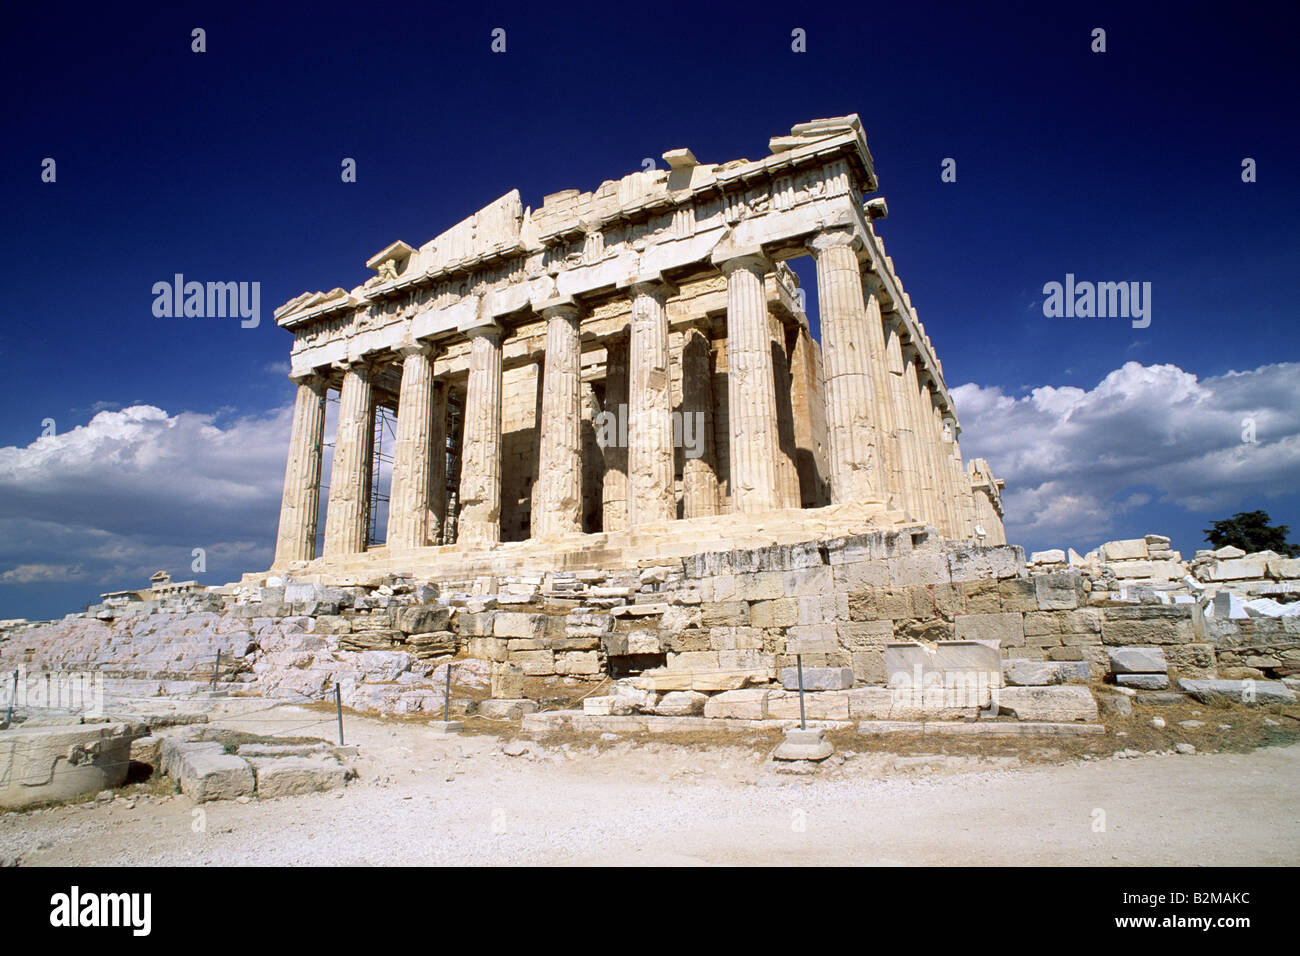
[(1123, 165)]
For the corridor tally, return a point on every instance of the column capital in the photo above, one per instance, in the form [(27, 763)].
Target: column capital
[(835, 239), (416, 347), (560, 307), (750, 258), (648, 283), (313, 377), (480, 327), (364, 365)]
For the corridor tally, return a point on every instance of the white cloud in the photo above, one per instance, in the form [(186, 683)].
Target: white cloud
[(29, 573), (138, 489), (1076, 459)]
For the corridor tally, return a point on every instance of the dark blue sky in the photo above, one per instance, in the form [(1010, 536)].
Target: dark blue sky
[(225, 166)]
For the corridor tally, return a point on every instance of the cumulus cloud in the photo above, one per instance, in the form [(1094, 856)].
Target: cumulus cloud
[(131, 491), (29, 573), (1076, 460)]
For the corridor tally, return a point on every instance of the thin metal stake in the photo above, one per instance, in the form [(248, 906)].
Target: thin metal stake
[(338, 705), (216, 669), (798, 663), (446, 697), (13, 696)]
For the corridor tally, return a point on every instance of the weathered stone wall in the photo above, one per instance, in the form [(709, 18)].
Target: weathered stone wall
[(843, 600)]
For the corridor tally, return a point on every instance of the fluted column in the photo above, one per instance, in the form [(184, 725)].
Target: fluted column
[(886, 423), (851, 428), (651, 495), (947, 439), (479, 524), (786, 468), (613, 493), (907, 468), (345, 518), (438, 464), (918, 397), (560, 457), (962, 493), (751, 386), (296, 540), (408, 498), (699, 479), (942, 470)]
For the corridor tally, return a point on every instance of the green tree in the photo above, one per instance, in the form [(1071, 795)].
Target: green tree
[(1251, 531)]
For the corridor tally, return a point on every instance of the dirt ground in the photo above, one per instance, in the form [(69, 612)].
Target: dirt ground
[(492, 796)]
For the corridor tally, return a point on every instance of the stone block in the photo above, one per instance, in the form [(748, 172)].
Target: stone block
[(1061, 591), (488, 648), (534, 663), (1020, 672), (1238, 691), (1051, 556), (823, 608), (423, 618), (578, 663), (803, 745), (1017, 594), (476, 624), (1124, 550), (496, 708), (519, 624), (1238, 569), (205, 775), (760, 586), (695, 660), (724, 614), (1063, 703), (1147, 624), (817, 678), (1138, 660), (745, 704), (63, 762), (289, 776), (680, 703), (981, 597), (782, 612), (507, 681), (1005, 627), (1143, 681), (784, 705), (1284, 568)]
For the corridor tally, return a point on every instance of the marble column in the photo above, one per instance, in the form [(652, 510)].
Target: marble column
[(918, 398), (886, 425), (851, 428), (786, 467), (345, 518), (613, 493), (651, 492), (962, 492), (480, 472), (408, 497), (942, 470), (751, 386), (560, 456), (908, 466), (699, 479), (296, 540), (438, 464)]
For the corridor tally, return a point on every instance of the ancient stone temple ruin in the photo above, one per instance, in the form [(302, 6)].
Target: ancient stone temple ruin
[(629, 374)]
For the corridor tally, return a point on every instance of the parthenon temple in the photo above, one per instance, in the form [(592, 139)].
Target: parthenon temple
[(629, 373)]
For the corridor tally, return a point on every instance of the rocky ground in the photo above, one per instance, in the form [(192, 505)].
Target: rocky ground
[(490, 797)]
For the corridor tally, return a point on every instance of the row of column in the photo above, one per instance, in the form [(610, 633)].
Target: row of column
[(885, 426), (886, 431)]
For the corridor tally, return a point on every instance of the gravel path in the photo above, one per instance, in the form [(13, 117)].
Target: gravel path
[(425, 801)]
